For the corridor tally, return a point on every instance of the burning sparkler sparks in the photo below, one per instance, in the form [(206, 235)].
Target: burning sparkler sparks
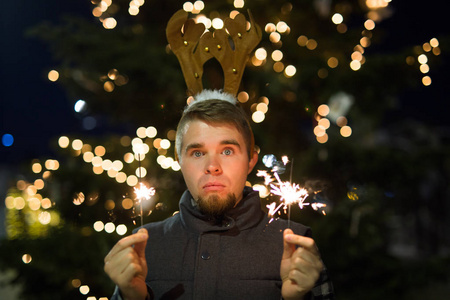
[(289, 192), (143, 193)]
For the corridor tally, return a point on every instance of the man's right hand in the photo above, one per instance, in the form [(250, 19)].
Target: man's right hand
[(125, 264)]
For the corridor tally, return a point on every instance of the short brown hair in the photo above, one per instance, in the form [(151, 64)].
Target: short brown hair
[(216, 112)]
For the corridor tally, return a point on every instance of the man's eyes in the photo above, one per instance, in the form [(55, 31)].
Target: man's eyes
[(228, 151), (197, 153)]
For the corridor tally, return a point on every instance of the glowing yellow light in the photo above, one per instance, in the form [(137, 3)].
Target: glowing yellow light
[(346, 131), (217, 23), (100, 150), (258, 116), (31, 190), (290, 71), (324, 122), (26, 258), (76, 283), (34, 203), (108, 86), (356, 56), (282, 27), (9, 202), (261, 54), (262, 107), (77, 144), (337, 18), (274, 37), (53, 75), (311, 44), (78, 198), (424, 68), (36, 168), (199, 5), (365, 42), (127, 203), (97, 170), (110, 204), (319, 130), (426, 47), (39, 184), (121, 177), (97, 12), (369, 24), (376, 4), (278, 67), (243, 97), (133, 10), (84, 289), (176, 166), (132, 180), (98, 226), (110, 227), (121, 229), (151, 131), (63, 142), (46, 203), (341, 28), (323, 110), (270, 27), (117, 165), (44, 217), (426, 80), (277, 55), (434, 42), (19, 203), (322, 139), (332, 62), (109, 23), (141, 172), (128, 157), (141, 132), (97, 161), (302, 40), (238, 3), (355, 65), (423, 59), (188, 6), (436, 51), (88, 156)]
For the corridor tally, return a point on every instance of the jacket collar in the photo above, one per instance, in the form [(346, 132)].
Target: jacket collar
[(245, 215)]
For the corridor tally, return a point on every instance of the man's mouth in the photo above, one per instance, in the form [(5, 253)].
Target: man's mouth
[(213, 186)]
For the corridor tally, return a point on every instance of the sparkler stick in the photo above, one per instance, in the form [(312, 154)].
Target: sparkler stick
[(142, 192)]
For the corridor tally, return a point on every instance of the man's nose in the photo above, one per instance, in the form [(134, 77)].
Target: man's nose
[(213, 166)]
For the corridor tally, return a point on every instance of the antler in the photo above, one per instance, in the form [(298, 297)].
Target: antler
[(184, 45), (193, 49)]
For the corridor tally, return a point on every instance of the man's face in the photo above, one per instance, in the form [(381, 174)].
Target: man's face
[(215, 164)]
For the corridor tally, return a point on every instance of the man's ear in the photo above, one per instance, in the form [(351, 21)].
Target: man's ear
[(252, 162)]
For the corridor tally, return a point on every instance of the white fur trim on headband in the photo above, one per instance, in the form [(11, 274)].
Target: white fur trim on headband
[(214, 94)]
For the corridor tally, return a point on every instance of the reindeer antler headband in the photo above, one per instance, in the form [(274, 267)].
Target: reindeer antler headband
[(194, 47)]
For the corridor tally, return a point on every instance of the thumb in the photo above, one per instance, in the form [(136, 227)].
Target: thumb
[(288, 248), (139, 247)]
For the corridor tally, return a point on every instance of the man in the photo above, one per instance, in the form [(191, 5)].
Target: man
[(220, 245)]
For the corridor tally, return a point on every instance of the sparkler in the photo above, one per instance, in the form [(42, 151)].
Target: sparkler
[(289, 192), (142, 192)]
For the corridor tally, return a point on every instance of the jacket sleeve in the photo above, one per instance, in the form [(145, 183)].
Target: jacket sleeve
[(117, 296)]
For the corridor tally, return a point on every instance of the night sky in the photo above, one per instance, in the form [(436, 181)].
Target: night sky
[(36, 111)]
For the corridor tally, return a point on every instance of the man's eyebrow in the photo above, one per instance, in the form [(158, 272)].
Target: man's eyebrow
[(231, 142), (193, 146)]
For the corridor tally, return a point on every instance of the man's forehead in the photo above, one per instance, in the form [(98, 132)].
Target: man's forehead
[(199, 132)]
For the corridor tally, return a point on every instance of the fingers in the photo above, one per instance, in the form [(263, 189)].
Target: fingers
[(298, 240), (140, 237), (126, 259)]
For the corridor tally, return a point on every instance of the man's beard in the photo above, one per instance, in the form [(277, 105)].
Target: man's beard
[(216, 207)]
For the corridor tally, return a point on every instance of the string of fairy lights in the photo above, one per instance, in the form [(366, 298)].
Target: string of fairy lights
[(28, 198)]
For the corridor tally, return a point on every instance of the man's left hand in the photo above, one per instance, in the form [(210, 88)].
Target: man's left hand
[(300, 265)]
